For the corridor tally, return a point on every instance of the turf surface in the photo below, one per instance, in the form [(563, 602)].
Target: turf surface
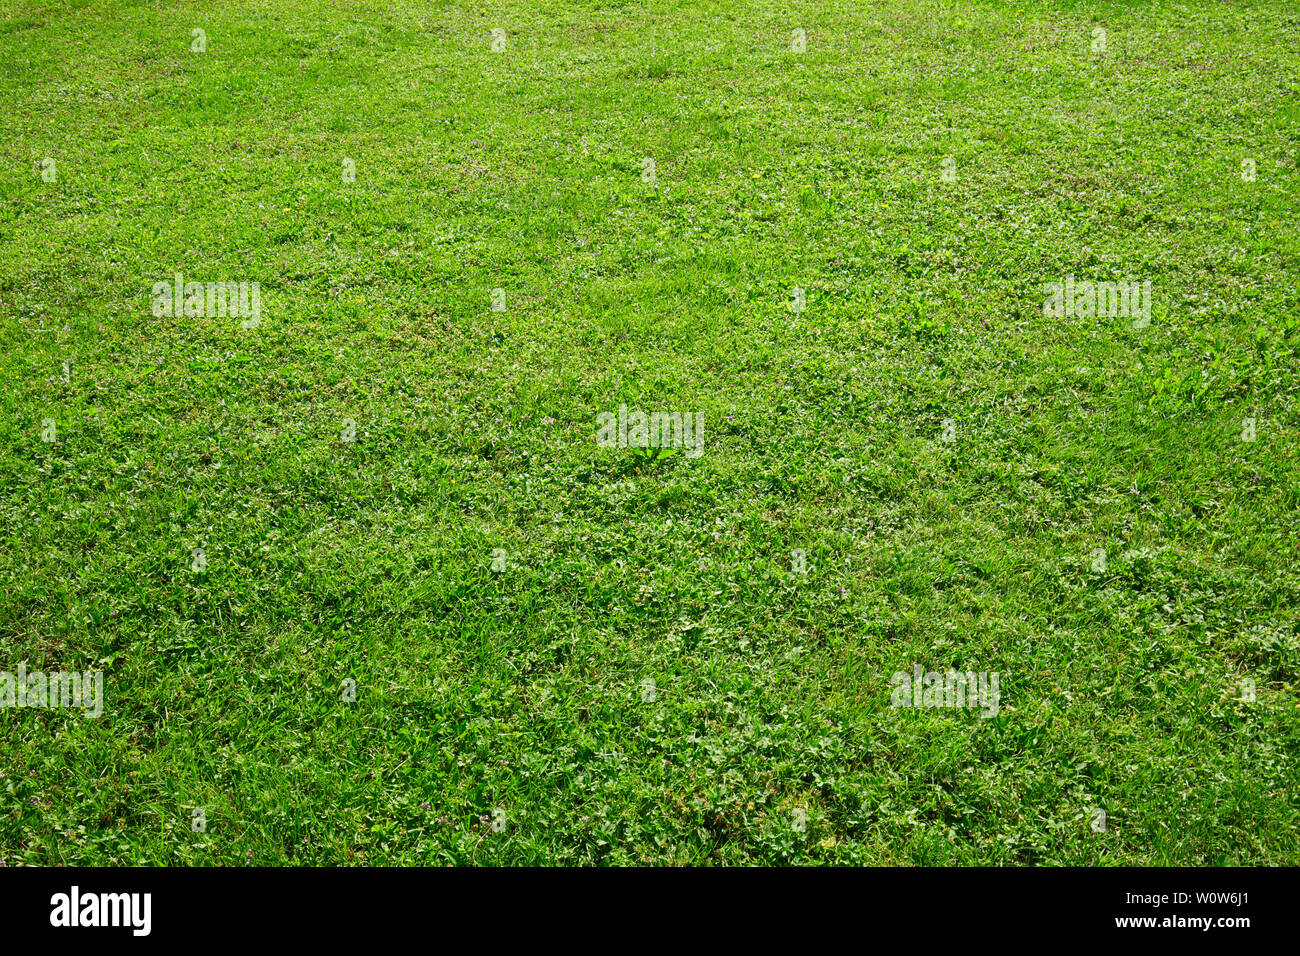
[(387, 486)]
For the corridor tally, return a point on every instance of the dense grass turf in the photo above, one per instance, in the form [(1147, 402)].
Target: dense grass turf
[(768, 733)]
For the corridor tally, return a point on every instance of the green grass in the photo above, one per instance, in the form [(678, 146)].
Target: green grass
[(521, 691)]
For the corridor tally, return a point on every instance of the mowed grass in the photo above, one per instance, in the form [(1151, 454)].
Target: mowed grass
[(768, 736)]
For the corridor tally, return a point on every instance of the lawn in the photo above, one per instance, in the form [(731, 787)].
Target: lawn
[(362, 583)]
